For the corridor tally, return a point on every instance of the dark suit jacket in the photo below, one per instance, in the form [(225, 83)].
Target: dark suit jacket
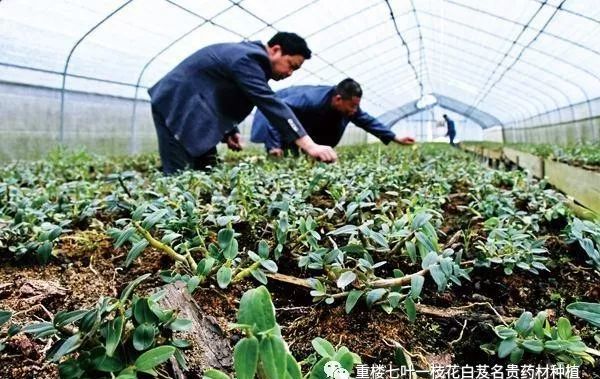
[(211, 91), (325, 125)]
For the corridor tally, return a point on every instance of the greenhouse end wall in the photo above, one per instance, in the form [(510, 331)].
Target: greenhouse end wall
[(30, 123)]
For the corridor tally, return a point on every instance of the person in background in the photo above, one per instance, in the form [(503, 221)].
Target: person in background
[(200, 102), (324, 111), (451, 133)]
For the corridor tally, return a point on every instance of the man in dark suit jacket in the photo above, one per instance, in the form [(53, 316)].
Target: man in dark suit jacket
[(200, 102), (324, 111)]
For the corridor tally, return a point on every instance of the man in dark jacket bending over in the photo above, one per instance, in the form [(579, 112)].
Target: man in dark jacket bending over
[(324, 111), (200, 102)]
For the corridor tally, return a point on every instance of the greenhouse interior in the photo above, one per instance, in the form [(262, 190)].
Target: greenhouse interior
[(302, 189)]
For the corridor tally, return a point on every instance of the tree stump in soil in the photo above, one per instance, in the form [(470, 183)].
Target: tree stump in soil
[(210, 347)]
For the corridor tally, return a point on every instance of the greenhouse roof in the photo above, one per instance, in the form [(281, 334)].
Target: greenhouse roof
[(499, 61)]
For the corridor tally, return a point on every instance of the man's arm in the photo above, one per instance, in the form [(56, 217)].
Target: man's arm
[(250, 77), (373, 126)]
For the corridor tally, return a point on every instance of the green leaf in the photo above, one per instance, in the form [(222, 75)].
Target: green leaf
[(516, 355), (269, 265), (5, 316), (224, 276), (438, 277), (113, 337), (411, 250), (215, 374), (564, 328), (292, 368), (506, 347), (256, 308), (273, 353), (135, 251), (263, 249), (205, 265), (323, 347), (66, 346), (180, 325), (535, 346), (416, 285), (352, 299), (375, 295), (505, 332), (153, 218), (420, 220), (345, 279), (40, 329), (64, 318), (125, 236), (143, 313), (379, 239), (192, 284), (346, 229), (143, 336), (131, 286), (245, 358), (44, 252), (411, 309), (318, 370), (590, 312), (105, 363), (231, 251), (224, 237), (154, 357), (523, 324), (70, 369), (169, 238), (430, 259), (259, 275), (182, 344)]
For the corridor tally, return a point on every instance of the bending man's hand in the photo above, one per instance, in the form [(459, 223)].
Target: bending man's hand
[(320, 152), (234, 142), (404, 140), (276, 152)]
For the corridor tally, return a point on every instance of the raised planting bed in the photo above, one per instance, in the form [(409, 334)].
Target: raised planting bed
[(581, 184)]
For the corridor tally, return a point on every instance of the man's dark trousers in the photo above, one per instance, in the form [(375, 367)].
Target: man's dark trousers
[(173, 155)]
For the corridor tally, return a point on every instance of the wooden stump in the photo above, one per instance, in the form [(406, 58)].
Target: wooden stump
[(209, 346)]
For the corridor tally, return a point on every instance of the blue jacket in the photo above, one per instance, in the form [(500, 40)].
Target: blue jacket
[(211, 91), (325, 125), (451, 128)]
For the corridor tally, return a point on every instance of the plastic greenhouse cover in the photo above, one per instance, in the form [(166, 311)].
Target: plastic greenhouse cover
[(510, 59)]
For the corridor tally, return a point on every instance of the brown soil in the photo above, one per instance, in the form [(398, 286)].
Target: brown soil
[(88, 266)]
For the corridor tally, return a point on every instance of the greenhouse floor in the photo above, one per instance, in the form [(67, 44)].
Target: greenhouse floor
[(512, 231)]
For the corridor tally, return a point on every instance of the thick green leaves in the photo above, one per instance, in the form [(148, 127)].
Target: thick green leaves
[(114, 332), (131, 286), (224, 276), (65, 347), (272, 354), (256, 308), (590, 312), (143, 336), (154, 357), (345, 279), (323, 347), (245, 358), (4, 317), (352, 299)]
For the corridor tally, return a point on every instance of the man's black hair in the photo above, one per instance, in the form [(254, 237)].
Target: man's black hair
[(291, 44), (348, 88), (445, 115)]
